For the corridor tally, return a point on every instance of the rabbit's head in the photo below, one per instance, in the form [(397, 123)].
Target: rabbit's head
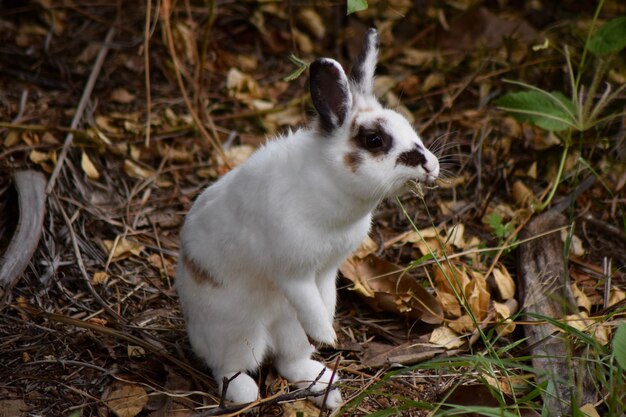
[(375, 150)]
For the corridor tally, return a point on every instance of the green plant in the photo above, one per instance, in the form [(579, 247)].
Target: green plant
[(356, 6), (581, 111)]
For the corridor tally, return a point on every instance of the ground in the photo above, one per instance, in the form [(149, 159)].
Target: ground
[(93, 326)]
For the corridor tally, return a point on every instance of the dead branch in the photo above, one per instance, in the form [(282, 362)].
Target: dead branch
[(78, 115), (30, 186), (546, 292)]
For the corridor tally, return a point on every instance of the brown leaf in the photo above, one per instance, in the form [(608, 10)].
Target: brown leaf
[(446, 337), (122, 96), (88, 167), (125, 400), (479, 296), (449, 278), (387, 288), (122, 248), (504, 283)]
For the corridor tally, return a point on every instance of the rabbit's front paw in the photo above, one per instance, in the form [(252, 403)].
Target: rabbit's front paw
[(333, 400), (321, 331)]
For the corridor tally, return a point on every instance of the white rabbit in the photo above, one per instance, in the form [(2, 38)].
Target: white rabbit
[(260, 247)]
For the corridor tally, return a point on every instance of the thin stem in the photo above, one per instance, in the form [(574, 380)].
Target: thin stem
[(584, 55), (557, 180)]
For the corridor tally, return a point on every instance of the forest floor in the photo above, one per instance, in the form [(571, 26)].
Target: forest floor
[(185, 92)]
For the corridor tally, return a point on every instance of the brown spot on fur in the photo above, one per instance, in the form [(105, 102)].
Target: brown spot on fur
[(198, 273), (411, 158), (352, 160)]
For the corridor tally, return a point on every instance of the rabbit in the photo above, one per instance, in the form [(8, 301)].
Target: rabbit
[(260, 248)]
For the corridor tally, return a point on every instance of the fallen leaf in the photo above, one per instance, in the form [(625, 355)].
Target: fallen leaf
[(312, 22), (299, 409), (462, 325), (616, 295), (449, 304), (88, 167), (100, 278), (387, 287), (38, 157), (581, 298), (449, 278), (504, 282), (134, 170), (589, 410), (433, 80), (367, 247), (446, 337), (12, 408), (122, 247), (125, 400), (522, 195), (135, 351), (456, 236), (122, 96), (479, 297)]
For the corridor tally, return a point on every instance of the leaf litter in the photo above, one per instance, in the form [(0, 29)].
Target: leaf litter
[(408, 295)]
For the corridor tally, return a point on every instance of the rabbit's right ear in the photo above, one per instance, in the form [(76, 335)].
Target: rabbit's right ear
[(330, 93), (362, 74)]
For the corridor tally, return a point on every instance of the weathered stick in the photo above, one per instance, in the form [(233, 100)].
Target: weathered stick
[(84, 99), (546, 292), (30, 186)]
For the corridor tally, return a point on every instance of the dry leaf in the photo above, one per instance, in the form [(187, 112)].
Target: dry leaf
[(100, 278), (121, 95), (433, 80), (38, 157), (367, 247), (135, 351), (589, 410), (312, 22), (463, 324), (522, 195), (136, 171), (12, 138), (504, 282), (449, 276), (479, 296), (581, 298), (387, 288), (125, 400), (122, 248), (237, 155), (446, 337), (88, 167), (456, 236), (449, 304), (616, 295), (242, 86), (299, 408)]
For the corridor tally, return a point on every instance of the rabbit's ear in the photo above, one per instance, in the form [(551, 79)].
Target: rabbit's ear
[(330, 93), (362, 75)]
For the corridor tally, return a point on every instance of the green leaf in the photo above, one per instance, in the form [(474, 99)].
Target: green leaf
[(610, 38), (494, 220), (619, 346), (550, 111), (356, 5)]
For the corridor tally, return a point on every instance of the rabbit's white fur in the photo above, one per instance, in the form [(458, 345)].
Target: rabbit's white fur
[(261, 247)]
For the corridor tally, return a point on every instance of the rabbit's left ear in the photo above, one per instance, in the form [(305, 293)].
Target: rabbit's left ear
[(362, 75), (330, 93)]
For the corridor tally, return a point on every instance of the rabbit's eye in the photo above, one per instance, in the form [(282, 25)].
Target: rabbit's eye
[(373, 141)]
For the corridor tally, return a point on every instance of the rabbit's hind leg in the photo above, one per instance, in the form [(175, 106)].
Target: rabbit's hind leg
[(292, 359), (241, 352)]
